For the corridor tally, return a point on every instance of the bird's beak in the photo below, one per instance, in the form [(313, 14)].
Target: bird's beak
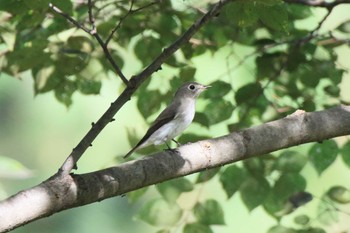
[(204, 87)]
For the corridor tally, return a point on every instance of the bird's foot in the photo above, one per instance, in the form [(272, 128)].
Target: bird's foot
[(175, 150)]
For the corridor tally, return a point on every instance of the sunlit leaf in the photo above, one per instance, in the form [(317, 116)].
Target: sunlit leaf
[(281, 229), (344, 27), (339, 194), (13, 169)]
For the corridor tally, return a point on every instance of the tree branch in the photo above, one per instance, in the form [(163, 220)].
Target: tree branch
[(64, 192), (135, 82)]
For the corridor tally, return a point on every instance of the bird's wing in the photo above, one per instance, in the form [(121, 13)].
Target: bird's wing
[(164, 117)]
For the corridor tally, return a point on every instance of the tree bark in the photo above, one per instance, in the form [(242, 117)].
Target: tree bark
[(62, 192)]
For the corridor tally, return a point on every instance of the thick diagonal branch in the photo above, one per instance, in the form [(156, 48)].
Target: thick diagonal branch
[(64, 192)]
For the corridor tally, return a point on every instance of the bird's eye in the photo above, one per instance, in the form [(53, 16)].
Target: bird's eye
[(192, 87)]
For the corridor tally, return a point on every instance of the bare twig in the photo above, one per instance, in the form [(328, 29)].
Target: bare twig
[(135, 82), (70, 19), (91, 17), (94, 34), (131, 11), (120, 22)]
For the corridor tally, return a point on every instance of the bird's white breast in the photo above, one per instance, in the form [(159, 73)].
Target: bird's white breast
[(183, 118)]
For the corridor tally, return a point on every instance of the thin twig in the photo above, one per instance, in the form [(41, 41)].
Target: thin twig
[(119, 23), (94, 33), (91, 17), (131, 11), (70, 19)]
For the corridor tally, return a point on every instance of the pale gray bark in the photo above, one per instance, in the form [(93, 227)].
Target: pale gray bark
[(62, 192)]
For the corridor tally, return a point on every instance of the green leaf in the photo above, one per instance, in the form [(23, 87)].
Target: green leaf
[(172, 189), (14, 6), (306, 75), (146, 49), (248, 93), (302, 220), (148, 102), (281, 229), (21, 59), (206, 175), (218, 89), (137, 194), (158, 212), (86, 86), (64, 92), (13, 169), (290, 161), (332, 90), (202, 119), (344, 27), (312, 230), (187, 74), (269, 2), (299, 199), (218, 110), (209, 213), (231, 179), (254, 191), (243, 14), (322, 155), (196, 228), (296, 11), (289, 185), (274, 17), (345, 153), (164, 231), (339, 194), (255, 166), (189, 137)]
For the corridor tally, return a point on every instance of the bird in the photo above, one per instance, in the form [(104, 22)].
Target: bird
[(174, 119)]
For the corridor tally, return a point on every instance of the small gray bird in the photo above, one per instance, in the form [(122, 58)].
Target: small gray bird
[(174, 119)]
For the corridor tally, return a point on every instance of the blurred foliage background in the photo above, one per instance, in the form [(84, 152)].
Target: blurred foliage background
[(264, 59)]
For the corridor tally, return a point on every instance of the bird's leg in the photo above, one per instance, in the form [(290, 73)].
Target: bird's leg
[(177, 143), (170, 149)]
